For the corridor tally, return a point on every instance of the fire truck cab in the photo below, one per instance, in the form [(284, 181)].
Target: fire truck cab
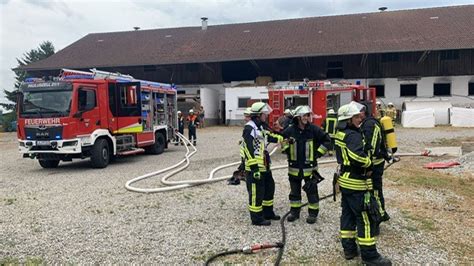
[(319, 95), (94, 114)]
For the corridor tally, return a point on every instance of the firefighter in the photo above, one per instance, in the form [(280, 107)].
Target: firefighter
[(240, 173), (329, 126), (260, 183), (180, 127), (355, 185), (379, 112), (376, 147), (391, 112), (193, 123), (288, 118), (306, 143)]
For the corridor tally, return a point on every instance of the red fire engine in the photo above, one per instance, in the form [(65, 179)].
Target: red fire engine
[(319, 95), (94, 114)]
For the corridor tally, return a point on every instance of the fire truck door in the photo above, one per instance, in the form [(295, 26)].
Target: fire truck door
[(125, 106), (88, 112)]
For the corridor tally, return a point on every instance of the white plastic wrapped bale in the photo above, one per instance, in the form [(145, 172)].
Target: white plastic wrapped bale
[(422, 118), (440, 107), (461, 117)]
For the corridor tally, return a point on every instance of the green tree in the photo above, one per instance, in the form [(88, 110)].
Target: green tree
[(44, 50)]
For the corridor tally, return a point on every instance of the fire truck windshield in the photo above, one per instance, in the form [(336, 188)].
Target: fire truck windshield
[(47, 101)]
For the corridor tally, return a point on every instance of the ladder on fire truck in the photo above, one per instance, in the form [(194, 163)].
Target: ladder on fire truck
[(100, 74)]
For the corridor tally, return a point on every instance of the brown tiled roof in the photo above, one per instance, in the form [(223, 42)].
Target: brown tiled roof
[(394, 31)]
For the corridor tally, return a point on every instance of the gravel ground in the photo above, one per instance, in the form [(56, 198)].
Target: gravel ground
[(75, 214)]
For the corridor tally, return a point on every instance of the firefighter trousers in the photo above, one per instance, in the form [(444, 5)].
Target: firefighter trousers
[(311, 189), (192, 134), (377, 172), (356, 226), (261, 193)]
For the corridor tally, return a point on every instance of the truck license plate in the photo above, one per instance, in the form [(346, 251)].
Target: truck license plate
[(43, 143)]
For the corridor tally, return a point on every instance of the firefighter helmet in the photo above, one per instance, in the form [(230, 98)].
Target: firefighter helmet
[(288, 112), (179, 112), (247, 111), (331, 112), (378, 103), (191, 111), (390, 104), (302, 110), (347, 111), (359, 106), (260, 108)]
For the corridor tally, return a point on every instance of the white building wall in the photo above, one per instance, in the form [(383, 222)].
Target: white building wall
[(459, 89), (213, 95), (234, 114)]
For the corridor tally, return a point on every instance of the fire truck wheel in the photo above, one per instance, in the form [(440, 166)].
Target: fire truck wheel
[(49, 163), (159, 145), (100, 154)]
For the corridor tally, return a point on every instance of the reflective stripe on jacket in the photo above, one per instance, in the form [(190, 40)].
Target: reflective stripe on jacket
[(352, 159), (307, 145)]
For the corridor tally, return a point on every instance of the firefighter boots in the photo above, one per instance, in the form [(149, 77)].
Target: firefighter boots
[(262, 223), (380, 260), (350, 254), (294, 215)]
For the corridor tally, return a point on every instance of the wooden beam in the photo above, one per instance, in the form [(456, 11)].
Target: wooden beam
[(206, 66), (306, 62), (255, 65), (363, 60), (423, 57)]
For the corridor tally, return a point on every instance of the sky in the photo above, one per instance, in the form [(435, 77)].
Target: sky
[(24, 24)]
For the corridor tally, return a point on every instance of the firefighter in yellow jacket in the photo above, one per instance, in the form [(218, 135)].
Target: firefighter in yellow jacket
[(306, 143), (391, 112), (357, 217), (260, 183)]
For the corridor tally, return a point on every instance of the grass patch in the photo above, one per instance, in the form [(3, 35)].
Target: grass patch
[(423, 223), (451, 141), (9, 261), (412, 174), (33, 261), (10, 201)]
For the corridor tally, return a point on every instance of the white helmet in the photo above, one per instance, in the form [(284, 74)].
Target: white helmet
[(259, 108), (191, 111), (390, 104), (359, 106), (378, 103), (179, 112), (302, 110), (347, 111), (247, 111), (287, 112)]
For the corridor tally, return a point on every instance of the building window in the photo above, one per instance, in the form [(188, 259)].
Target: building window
[(390, 57), (471, 89), (379, 90), (335, 70), (243, 102), (442, 89), (407, 90), (449, 55)]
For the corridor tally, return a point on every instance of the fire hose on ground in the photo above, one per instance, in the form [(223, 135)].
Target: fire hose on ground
[(175, 185), (178, 167)]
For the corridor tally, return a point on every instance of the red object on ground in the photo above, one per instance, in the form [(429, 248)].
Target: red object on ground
[(440, 165)]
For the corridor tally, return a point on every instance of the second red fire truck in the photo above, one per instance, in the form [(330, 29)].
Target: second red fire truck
[(319, 95)]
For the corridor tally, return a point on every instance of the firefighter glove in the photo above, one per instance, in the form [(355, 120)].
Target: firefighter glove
[(317, 177)]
